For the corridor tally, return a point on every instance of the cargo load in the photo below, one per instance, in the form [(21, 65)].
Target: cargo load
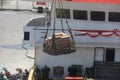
[(60, 44)]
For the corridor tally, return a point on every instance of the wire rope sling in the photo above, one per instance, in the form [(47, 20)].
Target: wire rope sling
[(59, 43)]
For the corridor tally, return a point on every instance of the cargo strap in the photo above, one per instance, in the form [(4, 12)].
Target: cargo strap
[(49, 15), (69, 29), (61, 13), (54, 28)]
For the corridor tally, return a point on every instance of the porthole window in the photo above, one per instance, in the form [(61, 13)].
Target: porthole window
[(63, 13), (80, 14), (114, 16), (97, 15)]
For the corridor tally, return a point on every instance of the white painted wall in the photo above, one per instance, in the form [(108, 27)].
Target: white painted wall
[(83, 56)]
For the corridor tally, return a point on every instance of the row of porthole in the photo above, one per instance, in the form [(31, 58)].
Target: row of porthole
[(82, 15)]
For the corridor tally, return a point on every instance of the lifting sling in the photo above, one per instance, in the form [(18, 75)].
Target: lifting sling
[(59, 43)]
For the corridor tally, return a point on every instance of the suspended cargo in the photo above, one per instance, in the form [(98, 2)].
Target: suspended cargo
[(58, 44)]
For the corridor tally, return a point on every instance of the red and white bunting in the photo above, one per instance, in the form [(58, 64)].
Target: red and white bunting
[(96, 33)]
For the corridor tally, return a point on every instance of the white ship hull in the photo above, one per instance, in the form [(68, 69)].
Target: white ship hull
[(100, 40)]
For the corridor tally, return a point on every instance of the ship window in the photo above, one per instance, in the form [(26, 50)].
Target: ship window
[(114, 16), (110, 54), (63, 13), (26, 35), (37, 22), (97, 16), (80, 14)]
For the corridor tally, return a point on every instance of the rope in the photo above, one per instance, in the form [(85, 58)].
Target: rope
[(60, 13), (50, 18), (53, 36), (69, 29), (47, 25), (26, 52), (46, 33), (51, 8)]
